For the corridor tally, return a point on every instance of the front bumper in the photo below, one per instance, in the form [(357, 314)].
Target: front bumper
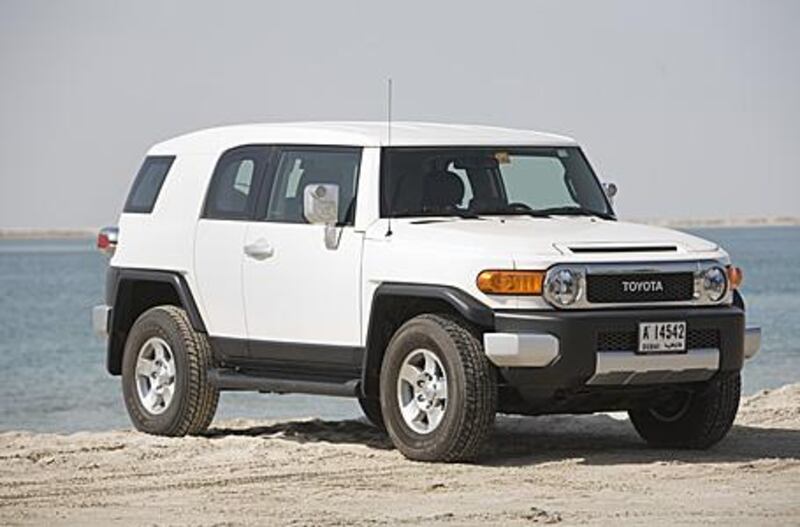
[(556, 350), (752, 342)]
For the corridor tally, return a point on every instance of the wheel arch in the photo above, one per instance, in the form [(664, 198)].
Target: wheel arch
[(131, 292), (395, 303)]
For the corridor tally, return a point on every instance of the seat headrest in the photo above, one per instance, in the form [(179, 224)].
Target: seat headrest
[(442, 189)]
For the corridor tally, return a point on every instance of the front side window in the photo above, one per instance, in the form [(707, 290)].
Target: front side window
[(147, 185), (454, 181), (298, 168), (233, 190)]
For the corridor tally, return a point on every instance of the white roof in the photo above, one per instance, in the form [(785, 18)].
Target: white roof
[(365, 133)]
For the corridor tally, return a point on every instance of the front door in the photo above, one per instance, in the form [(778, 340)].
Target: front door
[(302, 300)]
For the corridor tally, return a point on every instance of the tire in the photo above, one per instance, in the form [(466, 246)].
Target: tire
[(467, 410), (193, 399), (372, 411), (698, 421)]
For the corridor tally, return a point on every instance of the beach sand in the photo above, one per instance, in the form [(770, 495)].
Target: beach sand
[(563, 469)]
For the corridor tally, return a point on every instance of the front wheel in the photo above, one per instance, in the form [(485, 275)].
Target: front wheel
[(696, 420), (438, 390), (164, 374)]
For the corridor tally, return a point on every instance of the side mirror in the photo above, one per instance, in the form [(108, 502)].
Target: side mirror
[(611, 190), (321, 204)]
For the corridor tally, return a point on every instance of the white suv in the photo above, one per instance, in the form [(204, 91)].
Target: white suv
[(444, 276)]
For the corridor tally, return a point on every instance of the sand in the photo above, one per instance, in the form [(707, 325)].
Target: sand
[(563, 469)]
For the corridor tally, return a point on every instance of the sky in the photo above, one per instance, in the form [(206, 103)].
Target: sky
[(691, 107)]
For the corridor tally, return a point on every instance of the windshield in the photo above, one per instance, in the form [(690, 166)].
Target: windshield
[(468, 182)]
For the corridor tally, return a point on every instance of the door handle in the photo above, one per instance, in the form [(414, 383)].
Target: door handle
[(259, 249)]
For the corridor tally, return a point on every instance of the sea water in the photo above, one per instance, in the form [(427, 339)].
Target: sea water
[(52, 367)]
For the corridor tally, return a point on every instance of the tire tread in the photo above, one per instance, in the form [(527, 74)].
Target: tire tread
[(480, 389)]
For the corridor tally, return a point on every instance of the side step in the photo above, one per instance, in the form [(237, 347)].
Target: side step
[(230, 380)]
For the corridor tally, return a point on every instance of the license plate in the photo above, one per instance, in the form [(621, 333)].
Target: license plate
[(662, 337)]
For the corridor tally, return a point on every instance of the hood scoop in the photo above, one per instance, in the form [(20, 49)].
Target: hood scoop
[(605, 249)]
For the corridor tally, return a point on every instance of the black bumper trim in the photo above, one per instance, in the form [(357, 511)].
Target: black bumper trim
[(578, 333)]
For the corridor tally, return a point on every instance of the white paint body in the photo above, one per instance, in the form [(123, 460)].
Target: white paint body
[(306, 293)]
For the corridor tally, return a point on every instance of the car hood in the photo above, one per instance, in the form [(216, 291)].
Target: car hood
[(587, 238)]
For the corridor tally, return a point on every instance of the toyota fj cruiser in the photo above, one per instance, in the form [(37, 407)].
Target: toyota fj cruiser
[(438, 273)]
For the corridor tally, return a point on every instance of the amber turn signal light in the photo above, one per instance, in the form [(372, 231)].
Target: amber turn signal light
[(511, 282), (735, 276)]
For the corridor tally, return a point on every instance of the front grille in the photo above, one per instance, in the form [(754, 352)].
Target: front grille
[(629, 340), (702, 338), (617, 341), (639, 287)]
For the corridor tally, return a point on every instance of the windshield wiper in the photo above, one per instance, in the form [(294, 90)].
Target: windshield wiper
[(574, 210), (433, 217), (519, 212), (467, 215)]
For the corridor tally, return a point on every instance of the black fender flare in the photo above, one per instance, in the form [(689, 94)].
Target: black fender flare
[(738, 299), (115, 276)]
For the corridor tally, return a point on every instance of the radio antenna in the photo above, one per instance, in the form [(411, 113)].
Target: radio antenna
[(389, 112), (389, 143)]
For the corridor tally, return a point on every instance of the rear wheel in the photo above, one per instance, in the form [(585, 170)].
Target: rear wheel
[(438, 390), (164, 375), (696, 420)]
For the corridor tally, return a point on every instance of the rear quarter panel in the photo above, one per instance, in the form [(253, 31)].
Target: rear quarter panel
[(164, 239)]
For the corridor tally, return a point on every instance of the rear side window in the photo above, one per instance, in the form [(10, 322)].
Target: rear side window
[(147, 185), (234, 186)]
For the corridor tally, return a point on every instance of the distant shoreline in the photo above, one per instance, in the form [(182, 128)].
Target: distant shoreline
[(721, 223), (47, 234)]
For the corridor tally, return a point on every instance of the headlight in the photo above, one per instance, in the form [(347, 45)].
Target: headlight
[(715, 283), (562, 287)]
